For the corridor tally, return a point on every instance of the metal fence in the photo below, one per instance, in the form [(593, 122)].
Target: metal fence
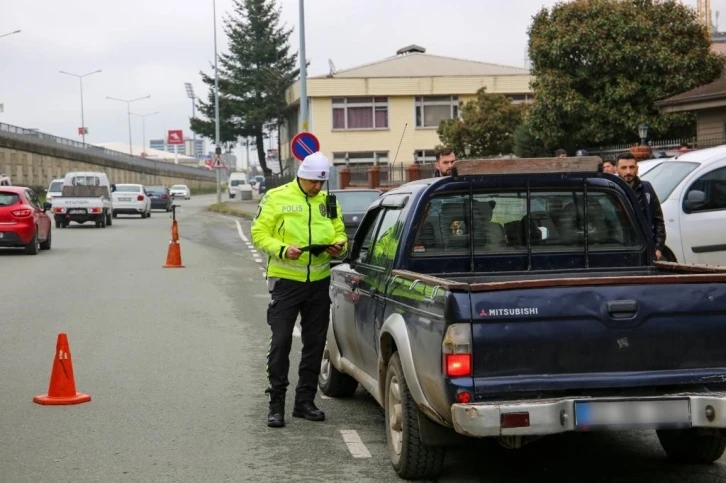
[(661, 147), (134, 163)]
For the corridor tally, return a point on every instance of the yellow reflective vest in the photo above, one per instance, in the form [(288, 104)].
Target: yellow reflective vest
[(287, 216)]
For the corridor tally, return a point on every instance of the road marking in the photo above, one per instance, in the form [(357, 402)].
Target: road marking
[(296, 331), (323, 396), (241, 233), (355, 445)]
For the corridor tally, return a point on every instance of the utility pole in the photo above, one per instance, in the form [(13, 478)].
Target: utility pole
[(193, 97), (303, 72), (216, 105)]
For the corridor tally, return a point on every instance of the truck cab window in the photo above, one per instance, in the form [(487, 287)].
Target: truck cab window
[(387, 239), (500, 222)]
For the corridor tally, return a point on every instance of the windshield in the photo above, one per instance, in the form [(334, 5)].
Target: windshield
[(356, 201), (178, 187), (666, 176), (56, 187), (236, 182), (128, 188), (7, 199), (156, 189)]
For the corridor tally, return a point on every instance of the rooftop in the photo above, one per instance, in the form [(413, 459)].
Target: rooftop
[(413, 61), (714, 90)]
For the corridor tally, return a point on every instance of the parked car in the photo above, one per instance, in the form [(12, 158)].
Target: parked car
[(24, 223), (55, 188), (517, 300), (180, 191), (160, 197), (354, 202), (86, 197), (131, 199), (691, 188)]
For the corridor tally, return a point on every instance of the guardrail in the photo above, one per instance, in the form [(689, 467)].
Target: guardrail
[(135, 163)]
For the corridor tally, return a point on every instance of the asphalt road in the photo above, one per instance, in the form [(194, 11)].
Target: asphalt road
[(175, 363)]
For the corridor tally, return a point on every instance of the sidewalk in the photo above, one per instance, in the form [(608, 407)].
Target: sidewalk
[(243, 209)]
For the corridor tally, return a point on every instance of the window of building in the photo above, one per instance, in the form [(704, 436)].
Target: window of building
[(360, 113), (365, 158), (431, 110), (425, 156), (520, 98)]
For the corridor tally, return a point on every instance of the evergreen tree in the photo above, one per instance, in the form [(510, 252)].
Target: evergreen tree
[(253, 77)]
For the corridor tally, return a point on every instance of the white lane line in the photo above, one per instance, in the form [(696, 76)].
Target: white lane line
[(323, 396), (296, 331), (241, 233), (355, 445)]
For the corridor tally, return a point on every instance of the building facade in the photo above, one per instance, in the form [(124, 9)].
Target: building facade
[(187, 149), (367, 114)]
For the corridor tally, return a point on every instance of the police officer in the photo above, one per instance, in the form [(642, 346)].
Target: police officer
[(294, 227)]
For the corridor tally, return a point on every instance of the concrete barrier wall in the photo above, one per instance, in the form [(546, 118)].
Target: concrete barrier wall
[(35, 162)]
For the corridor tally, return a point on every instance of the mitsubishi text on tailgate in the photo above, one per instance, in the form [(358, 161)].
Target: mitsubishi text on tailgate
[(520, 298)]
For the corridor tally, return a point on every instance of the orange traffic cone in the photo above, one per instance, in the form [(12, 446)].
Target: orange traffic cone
[(173, 255), (62, 388)]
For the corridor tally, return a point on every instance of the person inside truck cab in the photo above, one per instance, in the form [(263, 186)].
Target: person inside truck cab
[(648, 199)]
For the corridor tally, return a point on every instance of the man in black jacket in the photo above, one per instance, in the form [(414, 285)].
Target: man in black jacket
[(628, 170)]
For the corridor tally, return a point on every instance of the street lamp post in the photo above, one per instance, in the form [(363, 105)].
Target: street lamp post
[(128, 110), (10, 33), (80, 80), (193, 97), (143, 126), (643, 132), (218, 148)]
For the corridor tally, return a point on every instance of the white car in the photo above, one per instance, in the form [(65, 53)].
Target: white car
[(180, 191), (55, 188), (131, 199), (691, 188)]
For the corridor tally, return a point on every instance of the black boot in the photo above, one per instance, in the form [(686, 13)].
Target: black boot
[(307, 410), (276, 416)]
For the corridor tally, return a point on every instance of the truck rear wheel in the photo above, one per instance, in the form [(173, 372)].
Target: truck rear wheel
[(693, 445), (410, 457), (332, 382)]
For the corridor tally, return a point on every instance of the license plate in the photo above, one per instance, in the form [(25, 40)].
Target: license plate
[(650, 414), (124, 199), (74, 212)]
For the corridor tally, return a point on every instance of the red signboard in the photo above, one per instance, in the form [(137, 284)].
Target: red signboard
[(175, 136)]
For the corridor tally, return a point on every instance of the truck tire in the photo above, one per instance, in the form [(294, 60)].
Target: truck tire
[(410, 457), (332, 382), (693, 445)]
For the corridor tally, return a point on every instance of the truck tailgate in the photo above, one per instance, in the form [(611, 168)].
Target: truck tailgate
[(587, 337)]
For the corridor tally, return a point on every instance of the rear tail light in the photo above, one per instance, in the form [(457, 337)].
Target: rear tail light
[(163, 197), (94, 210), (58, 210), (140, 198), (22, 213), (456, 350)]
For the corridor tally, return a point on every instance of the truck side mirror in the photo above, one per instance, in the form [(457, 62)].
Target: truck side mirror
[(695, 200)]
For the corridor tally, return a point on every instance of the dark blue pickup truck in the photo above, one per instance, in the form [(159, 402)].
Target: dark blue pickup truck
[(520, 298)]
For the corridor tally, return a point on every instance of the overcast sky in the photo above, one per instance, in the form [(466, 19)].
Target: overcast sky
[(155, 46)]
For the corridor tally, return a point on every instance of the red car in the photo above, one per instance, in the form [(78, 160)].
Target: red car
[(23, 220)]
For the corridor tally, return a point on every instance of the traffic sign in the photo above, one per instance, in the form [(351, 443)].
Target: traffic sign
[(175, 136), (304, 144), (218, 163)]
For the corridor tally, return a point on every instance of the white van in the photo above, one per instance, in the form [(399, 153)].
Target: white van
[(235, 181), (5, 180), (692, 191)]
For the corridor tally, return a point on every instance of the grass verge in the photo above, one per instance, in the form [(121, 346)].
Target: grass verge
[(225, 209)]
